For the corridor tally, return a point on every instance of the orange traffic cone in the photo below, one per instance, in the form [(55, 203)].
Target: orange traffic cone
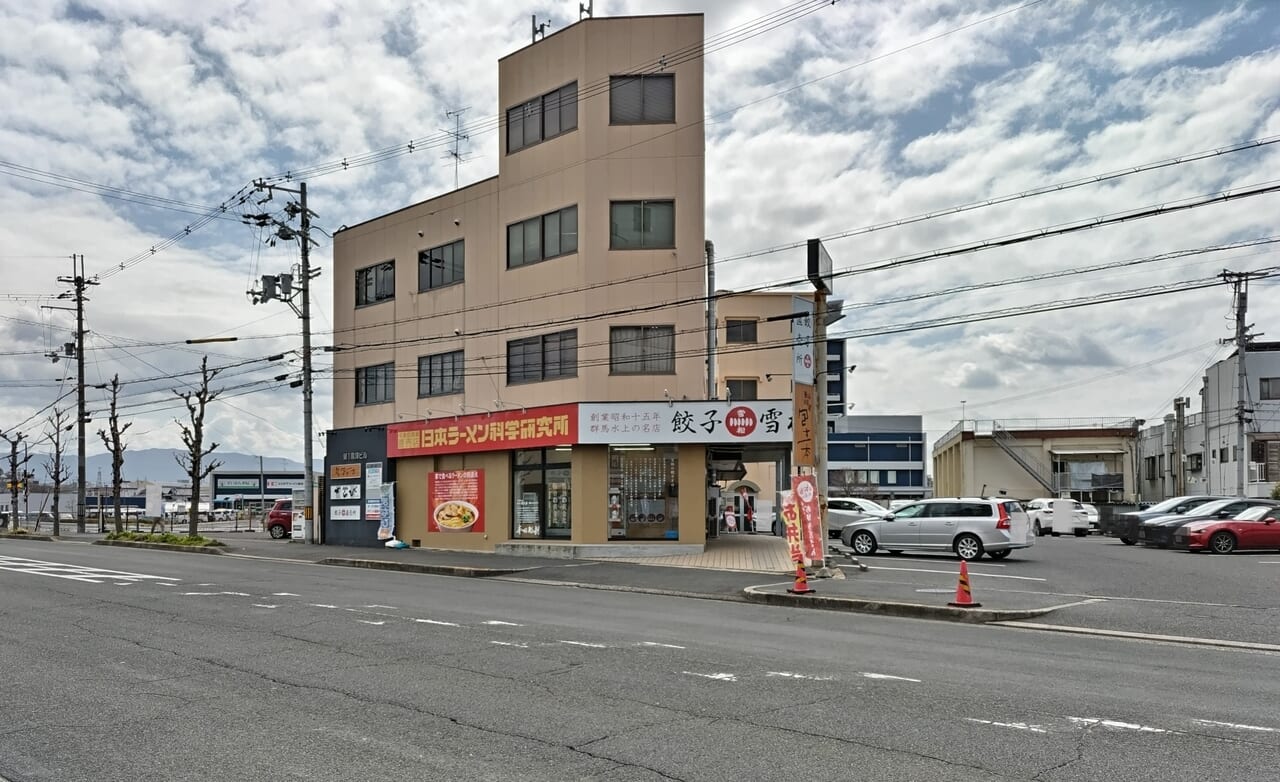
[(802, 581), (964, 597)]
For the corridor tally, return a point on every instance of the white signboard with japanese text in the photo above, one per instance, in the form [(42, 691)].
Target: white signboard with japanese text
[(373, 479), (286, 483), (344, 512), (616, 423), (802, 358), (344, 491)]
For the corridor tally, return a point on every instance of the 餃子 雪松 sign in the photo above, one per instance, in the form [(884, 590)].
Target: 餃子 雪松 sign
[(684, 422)]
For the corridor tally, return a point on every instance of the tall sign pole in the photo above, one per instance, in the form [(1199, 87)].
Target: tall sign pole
[(819, 274)]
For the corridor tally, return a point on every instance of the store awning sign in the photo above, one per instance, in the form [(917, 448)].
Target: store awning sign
[(611, 423), (539, 427)]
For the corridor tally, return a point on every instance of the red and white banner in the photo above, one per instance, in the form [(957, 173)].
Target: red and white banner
[(805, 490)]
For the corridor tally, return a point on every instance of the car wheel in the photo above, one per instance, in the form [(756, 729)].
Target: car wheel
[(1127, 541), (1000, 554), (863, 543), (968, 547), (277, 531), (1080, 533), (1222, 543), (1035, 528)]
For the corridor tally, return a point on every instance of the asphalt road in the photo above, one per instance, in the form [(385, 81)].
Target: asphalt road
[(190, 667)]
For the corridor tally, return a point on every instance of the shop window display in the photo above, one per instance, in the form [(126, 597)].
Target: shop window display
[(643, 496)]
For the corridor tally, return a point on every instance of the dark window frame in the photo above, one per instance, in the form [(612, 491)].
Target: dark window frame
[(643, 362), (735, 328), (1269, 389), (565, 345), (642, 203), (644, 79), (428, 263), (554, 99), (735, 396), (386, 378), (435, 365), (377, 270), (543, 244)]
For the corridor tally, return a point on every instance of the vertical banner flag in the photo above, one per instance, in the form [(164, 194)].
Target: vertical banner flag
[(387, 524), (791, 526), (805, 489)]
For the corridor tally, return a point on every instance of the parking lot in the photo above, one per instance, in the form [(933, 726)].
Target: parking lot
[(1114, 586)]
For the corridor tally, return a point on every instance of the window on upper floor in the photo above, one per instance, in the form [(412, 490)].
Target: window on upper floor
[(441, 266), (742, 389), (642, 350), (376, 283), (542, 357), (441, 374), (542, 237), (1270, 387), (376, 384), (644, 99), (642, 225), (544, 117), (738, 332)]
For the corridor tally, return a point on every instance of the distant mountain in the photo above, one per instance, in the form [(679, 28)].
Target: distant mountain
[(158, 464)]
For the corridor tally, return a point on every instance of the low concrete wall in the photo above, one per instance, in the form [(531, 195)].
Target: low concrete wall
[(554, 550)]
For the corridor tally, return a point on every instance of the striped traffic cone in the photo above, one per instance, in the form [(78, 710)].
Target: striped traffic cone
[(802, 581), (964, 597)]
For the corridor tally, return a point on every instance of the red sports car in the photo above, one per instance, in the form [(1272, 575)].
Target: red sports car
[(1256, 528)]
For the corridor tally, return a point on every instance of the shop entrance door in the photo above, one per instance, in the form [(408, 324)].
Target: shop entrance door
[(541, 492)]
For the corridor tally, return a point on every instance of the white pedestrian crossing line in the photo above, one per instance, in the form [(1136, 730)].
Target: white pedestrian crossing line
[(83, 573)]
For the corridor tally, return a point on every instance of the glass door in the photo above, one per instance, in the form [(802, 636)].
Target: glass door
[(541, 495)]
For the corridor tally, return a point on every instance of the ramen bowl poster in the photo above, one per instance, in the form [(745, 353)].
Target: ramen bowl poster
[(455, 501)]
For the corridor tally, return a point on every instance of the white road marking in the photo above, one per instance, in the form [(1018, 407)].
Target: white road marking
[(1128, 635), (663, 646), (321, 605), (284, 594), (206, 594), (789, 675), (371, 622), (1013, 725), (499, 622), (1270, 562), (510, 643), (83, 573), (389, 608), (1090, 601), (162, 584), (953, 572), (434, 622), (264, 605), (1237, 726), (1087, 722), (584, 643), (866, 675), (922, 560), (720, 677)]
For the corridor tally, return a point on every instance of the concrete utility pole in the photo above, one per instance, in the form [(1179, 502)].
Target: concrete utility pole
[(268, 292), (78, 281), (711, 320), (1180, 446), (1240, 281)]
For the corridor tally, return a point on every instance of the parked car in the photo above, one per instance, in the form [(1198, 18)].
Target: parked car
[(858, 505), (1159, 531), (1041, 514), (895, 504), (969, 526), (1092, 515), (1256, 528), (1125, 525), (279, 521)]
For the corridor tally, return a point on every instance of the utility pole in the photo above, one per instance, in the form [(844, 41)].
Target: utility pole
[(711, 319), (1179, 446), (1240, 282), (78, 281), (269, 292)]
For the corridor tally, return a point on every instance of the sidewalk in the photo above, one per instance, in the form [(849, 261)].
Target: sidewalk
[(701, 576)]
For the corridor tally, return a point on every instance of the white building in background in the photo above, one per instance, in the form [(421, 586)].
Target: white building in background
[(1212, 452)]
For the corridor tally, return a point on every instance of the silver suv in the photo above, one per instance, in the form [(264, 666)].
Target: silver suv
[(969, 526)]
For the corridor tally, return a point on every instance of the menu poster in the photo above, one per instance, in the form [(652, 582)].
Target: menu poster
[(372, 479), (455, 501), (387, 522), (805, 489)]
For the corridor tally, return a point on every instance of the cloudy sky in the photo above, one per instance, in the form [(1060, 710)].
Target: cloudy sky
[(819, 123)]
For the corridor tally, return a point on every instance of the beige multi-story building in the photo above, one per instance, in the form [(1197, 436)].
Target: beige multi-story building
[(533, 344)]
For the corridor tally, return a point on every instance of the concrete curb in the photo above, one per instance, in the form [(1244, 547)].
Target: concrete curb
[(32, 536), (889, 608), (419, 567), (731, 598), (160, 546)]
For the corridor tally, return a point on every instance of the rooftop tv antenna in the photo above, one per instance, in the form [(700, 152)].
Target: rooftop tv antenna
[(586, 10), (458, 137), (540, 29)]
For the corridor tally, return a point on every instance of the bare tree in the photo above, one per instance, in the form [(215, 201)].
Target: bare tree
[(58, 472), (111, 439), (15, 473), (193, 461)]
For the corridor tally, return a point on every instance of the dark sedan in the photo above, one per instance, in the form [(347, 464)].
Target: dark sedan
[(1125, 525), (1160, 532)]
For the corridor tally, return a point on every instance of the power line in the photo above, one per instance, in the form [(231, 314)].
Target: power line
[(19, 171)]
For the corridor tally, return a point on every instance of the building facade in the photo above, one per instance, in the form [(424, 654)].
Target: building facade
[(880, 457), (534, 344), (1092, 460)]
